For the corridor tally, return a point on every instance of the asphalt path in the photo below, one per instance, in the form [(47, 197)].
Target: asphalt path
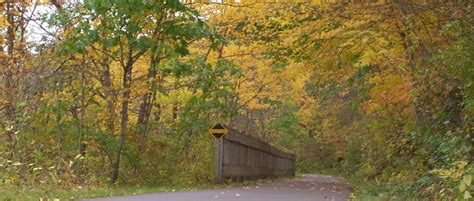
[(305, 188)]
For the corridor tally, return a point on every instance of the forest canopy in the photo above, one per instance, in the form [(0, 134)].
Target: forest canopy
[(96, 92)]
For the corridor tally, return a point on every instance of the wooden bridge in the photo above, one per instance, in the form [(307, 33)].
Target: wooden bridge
[(241, 157)]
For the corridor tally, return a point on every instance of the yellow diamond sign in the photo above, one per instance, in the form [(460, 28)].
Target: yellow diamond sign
[(218, 131)]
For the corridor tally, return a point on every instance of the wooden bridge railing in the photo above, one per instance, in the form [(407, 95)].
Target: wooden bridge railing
[(239, 156)]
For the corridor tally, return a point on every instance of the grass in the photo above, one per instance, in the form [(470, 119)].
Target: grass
[(13, 194), (364, 190)]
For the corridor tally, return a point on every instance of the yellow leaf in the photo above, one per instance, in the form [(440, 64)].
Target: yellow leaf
[(467, 195)]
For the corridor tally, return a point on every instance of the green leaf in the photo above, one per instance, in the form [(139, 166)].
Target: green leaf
[(182, 50), (467, 179), (462, 187), (110, 42), (144, 42)]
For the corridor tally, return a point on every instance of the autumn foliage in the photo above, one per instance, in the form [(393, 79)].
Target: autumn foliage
[(124, 92)]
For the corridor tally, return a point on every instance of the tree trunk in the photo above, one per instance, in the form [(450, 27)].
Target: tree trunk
[(110, 97), (407, 43), (126, 86), (10, 88), (147, 101)]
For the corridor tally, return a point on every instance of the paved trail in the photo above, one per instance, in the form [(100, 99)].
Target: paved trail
[(306, 188)]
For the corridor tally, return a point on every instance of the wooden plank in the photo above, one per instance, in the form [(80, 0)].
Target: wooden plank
[(246, 140), (226, 152), (241, 156)]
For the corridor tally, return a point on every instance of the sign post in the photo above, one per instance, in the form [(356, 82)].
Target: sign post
[(218, 131), (219, 160)]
